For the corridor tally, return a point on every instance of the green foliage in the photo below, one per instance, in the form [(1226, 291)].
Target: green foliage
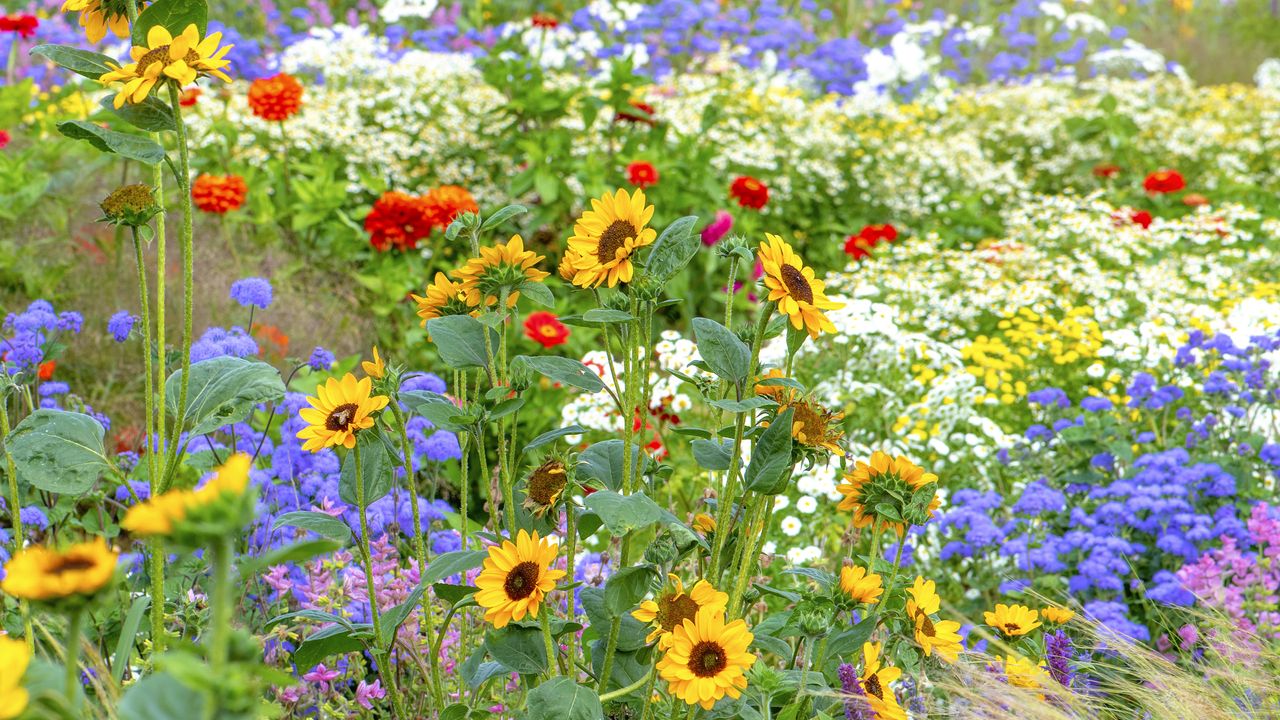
[(59, 451), (223, 390)]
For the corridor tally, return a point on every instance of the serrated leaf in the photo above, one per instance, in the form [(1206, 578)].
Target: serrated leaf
[(712, 454), (673, 250), (553, 435), (460, 340), (151, 114), (377, 472), (770, 468)]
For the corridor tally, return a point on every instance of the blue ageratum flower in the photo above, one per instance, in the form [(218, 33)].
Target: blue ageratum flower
[(321, 359), (252, 292), (120, 325)]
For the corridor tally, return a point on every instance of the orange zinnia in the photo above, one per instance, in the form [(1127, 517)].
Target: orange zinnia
[(219, 193), (276, 98)]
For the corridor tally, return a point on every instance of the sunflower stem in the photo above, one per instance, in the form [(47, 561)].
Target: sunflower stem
[(646, 678), (188, 281), (552, 655), (15, 513), (381, 657), (71, 659), (893, 576), (571, 601)]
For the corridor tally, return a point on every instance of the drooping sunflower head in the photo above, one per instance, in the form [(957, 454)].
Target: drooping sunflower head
[(606, 238), (707, 659), (670, 609), (814, 426), (43, 574), (182, 60), (1013, 620), (875, 682), (545, 485), (340, 409), (516, 577), (861, 586), (792, 284), (767, 385), (501, 268), (876, 489), (442, 298), (99, 16)]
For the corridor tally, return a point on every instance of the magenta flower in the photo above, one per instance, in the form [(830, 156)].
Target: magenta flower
[(321, 676), (366, 693), (715, 231)]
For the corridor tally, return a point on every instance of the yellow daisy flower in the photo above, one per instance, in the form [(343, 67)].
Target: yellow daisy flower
[(707, 659), (924, 598), (862, 586), (606, 238), (666, 612), (800, 296), (1013, 620), (181, 59), (875, 684), (340, 409), (41, 573), (1057, 615), (940, 636), (507, 265), (159, 515), (704, 523), (882, 468), (376, 369), (99, 16), (1023, 673), (442, 297), (516, 577), (14, 658)]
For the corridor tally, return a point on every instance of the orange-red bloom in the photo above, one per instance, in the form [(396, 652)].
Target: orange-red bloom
[(544, 21), (397, 219), (1194, 200), (1106, 170), (219, 193), (24, 25), (859, 246), (276, 98), (545, 329), (643, 113), (642, 174), (749, 192), (447, 202), (189, 97), (1141, 217), (45, 371), (1164, 181)]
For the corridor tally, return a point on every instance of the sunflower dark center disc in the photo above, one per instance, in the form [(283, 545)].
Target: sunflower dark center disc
[(872, 686), (707, 659), (796, 283), (341, 417), (614, 238), (521, 581), (674, 610), (72, 564)]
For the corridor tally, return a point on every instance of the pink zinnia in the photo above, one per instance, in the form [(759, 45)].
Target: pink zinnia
[(715, 231)]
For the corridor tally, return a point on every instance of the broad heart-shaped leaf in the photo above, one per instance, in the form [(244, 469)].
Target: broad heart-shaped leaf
[(603, 461), (624, 513), (848, 643), (738, 406), (563, 370), (460, 341), (133, 147), (673, 249), (435, 407), (476, 672), (151, 114), (519, 648), (560, 698), (59, 451), (538, 293), (376, 470), (222, 391), (81, 62), (327, 642), (712, 454), (453, 563), (553, 435), (172, 15), (625, 588), (770, 466), (160, 696), (722, 351), (322, 524)]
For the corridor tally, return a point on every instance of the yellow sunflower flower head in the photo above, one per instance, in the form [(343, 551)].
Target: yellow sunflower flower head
[(792, 285), (814, 426), (875, 682), (74, 575), (516, 577), (1013, 620), (924, 598), (605, 239), (874, 491), (223, 504), (704, 523), (861, 586), (669, 610), (14, 658), (443, 297), (502, 268), (1021, 672), (777, 392), (182, 60), (707, 659), (933, 635), (376, 369), (1057, 615), (340, 409), (99, 16)]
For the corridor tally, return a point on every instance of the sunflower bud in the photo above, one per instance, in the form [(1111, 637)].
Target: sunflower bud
[(815, 618), (130, 205), (663, 551)]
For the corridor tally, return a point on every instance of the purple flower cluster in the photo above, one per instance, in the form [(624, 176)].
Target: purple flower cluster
[(120, 325), (223, 342), (27, 337), (252, 292)]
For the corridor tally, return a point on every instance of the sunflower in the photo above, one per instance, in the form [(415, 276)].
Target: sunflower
[(924, 598), (1021, 672), (940, 636), (99, 16), (704, 523), (776, 392), (182, 60), (1057, 615), (707, 659), (41, 573), (1013, 620), (340, 409), (14, 658), (161, 514), (791, 284), (881, 480), (666, 612), (860, 585), (504, 266), (443, 297), (516, 577), (376, 369), (875, 684), (607, 236), (545, 485), (815, 426)]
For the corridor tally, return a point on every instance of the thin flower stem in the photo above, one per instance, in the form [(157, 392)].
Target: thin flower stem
[(382, 658), (15, 512), (893, 576), (220, 608), (646, 678), (571, 602), (71, 660), (552, 658)]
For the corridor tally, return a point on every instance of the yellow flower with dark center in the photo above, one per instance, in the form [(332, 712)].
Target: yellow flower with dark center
[(1013, 620), (340, 409), (669, 610), (41, 573), (516, 577), (99, 16), (443, 297), (875, 684), (376, 369), (14, 658), (161, 514), (776, 392), (862, 586), (800, 296), (924, 598), (606, 238), (870, 482), (505, 266), (1057, 615), (814, 425), (940, 636), (704, 523), (1021, 672), (180, 59), (707, 659), (545, 485)]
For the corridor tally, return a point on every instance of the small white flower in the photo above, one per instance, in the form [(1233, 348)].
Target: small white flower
[(791, 526), (806, 504), (780, 502), (770, 548)]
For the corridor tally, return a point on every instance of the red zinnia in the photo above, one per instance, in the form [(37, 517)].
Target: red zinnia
[(276, 98), (397, 219), (749, 192), (859, 246), (219, 193), (545, 329), (544, 21), (1106, 170), (4, 139), (189, 97), (643, 114), (24, 25), (445, 203), (642, 174), (1141, 217), (45, 371), (1164, 181)]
